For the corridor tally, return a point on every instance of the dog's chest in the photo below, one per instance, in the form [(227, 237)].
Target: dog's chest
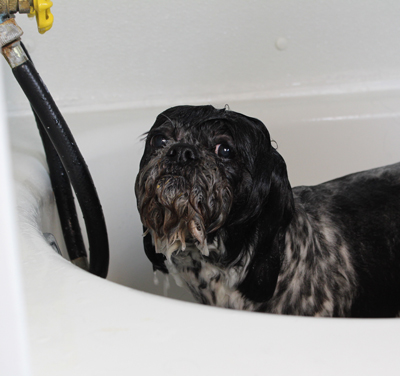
[(208, 283)]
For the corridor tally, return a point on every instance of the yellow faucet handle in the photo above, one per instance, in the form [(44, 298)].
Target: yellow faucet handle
[(44, 18)]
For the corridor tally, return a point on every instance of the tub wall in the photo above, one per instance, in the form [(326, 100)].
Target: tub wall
[(165, 52), (14, 357)]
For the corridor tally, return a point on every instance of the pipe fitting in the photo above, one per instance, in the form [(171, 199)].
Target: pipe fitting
[(34, 8), (14, 54), (10, 34), (14, 6)]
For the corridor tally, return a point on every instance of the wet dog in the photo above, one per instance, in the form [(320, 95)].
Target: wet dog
[(220, 216)]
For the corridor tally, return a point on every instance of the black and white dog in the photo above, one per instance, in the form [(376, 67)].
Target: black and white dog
[(221, 217)]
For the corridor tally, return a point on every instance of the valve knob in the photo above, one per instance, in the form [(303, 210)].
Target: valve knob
[(44, 18)]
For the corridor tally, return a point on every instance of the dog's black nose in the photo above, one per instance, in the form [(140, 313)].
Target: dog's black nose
[(182, 153)]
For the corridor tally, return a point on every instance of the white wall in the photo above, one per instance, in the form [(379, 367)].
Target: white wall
[(129, 53)]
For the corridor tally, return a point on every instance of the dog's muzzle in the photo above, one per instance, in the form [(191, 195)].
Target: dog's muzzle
[(183, 195)]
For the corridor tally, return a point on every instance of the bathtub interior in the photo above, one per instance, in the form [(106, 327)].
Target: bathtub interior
[(320, 137), (324, 78), (329, 98)]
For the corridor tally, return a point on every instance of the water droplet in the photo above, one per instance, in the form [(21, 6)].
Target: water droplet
[(155, 279), (166, 285)]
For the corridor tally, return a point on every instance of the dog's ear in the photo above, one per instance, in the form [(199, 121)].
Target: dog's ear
[(279, 202), (157, 259), (264, 185), (274, 217)]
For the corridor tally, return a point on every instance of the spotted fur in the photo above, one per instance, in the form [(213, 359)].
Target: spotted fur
[(209, 283), (221, 217)]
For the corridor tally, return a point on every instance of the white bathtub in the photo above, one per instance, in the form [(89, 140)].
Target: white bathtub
[(79, 324), (323, 76)]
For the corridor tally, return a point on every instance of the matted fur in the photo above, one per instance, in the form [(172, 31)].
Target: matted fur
[(176, 205), (230, 227)]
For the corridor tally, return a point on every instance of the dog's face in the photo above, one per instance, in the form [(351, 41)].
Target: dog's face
[(204, 171)]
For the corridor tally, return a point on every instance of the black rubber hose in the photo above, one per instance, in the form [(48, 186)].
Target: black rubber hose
[(64, 197), (73, 162)]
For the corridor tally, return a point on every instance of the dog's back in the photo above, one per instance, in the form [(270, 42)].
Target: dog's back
[(361, 212)]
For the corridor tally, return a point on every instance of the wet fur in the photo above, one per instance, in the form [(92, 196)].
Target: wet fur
[(255, 243)]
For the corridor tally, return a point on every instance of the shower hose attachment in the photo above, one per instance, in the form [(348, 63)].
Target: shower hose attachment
[(66, 164)]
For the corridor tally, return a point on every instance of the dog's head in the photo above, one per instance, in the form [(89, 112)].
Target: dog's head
[(205, 172)]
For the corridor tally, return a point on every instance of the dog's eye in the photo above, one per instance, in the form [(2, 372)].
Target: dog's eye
[(159, 141), (223, 151)]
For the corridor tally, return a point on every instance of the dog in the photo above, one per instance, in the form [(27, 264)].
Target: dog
[(220, 216)]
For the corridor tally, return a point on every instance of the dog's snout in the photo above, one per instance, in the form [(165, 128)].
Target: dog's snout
[(182, 153)]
